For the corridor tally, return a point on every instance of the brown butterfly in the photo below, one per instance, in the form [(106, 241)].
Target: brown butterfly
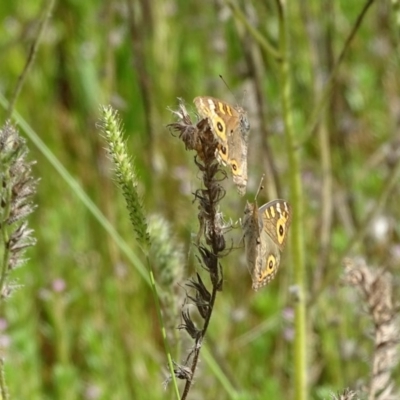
[(230, 127), (265, 233)]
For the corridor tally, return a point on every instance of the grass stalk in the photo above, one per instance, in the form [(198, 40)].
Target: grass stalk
[(267, 47), (31, 57), (388, 188), (297, 233), (163, 330), (327, 91)]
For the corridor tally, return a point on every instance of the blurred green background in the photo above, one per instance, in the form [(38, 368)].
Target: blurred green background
[(84, 326)]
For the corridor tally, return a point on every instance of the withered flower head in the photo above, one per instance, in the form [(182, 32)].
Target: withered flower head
[(17, 189)]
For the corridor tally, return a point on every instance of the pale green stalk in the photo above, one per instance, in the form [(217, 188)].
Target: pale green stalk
[(297, 233), (3, 387)]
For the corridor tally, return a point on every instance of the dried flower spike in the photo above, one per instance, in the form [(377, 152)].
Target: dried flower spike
[(376, 286), (200, 138), (16, 191)]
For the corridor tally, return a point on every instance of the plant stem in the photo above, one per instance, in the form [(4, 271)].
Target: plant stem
[(257, 36), (3, 388), (198, 344), (31, 57), (163, 332), (327, 91), (300, 345)]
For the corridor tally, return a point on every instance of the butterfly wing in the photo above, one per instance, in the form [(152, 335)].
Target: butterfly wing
[(267, 261), (238, 134), (275, 218), (217, 115), (251, 231), (230, 127), (262, 254)]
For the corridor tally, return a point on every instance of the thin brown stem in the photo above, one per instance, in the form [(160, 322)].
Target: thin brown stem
[(31, 58), (256, 71), (200, 138), (321, 103), (320, 66), (391, 182), (198, 345), (138, 30)]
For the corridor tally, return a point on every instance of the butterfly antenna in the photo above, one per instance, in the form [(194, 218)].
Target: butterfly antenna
[(244, 92), (223, 80), (260, 187)]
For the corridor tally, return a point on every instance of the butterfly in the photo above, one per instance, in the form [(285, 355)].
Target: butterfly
[(230, 127), (265, 232)]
